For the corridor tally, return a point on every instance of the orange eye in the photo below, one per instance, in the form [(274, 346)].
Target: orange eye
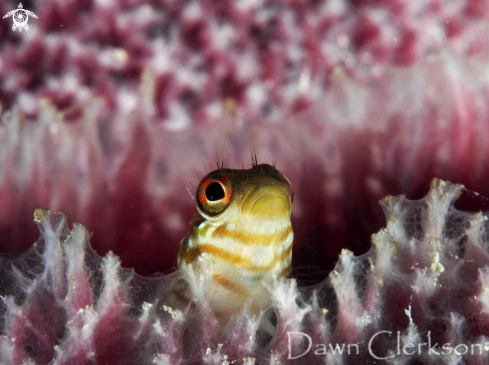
[(214, 195)]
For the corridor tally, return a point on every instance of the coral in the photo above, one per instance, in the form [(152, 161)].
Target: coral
[(112, 105), (268, 59), (422, 285), (126, 178)]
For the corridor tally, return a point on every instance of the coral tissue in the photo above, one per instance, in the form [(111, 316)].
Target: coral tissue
[(420, 294)]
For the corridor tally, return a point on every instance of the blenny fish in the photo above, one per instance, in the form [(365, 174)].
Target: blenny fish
[(241, 236)]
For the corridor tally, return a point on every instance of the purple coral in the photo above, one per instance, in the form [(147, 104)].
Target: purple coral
[(424, 281), (371, 98)]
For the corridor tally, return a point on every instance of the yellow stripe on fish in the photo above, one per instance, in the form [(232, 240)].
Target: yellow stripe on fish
[(242, 235)]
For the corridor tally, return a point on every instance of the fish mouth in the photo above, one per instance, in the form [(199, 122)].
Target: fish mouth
[(270, 201)]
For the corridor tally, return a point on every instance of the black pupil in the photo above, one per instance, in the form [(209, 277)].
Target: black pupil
[(214, 192)]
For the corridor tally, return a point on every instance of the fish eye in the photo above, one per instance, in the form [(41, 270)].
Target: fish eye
[(214, 195), (214, 191)]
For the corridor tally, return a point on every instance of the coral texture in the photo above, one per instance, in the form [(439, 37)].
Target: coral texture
[(269, 58), (357, 99), (127, 178), (420, 294)]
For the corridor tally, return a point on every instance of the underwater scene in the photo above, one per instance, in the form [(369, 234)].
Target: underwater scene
[(244, 182)]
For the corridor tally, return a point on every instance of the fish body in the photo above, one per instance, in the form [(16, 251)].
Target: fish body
[(240, 237)]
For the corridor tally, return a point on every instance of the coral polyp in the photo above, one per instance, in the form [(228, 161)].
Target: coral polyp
[(420, 294)]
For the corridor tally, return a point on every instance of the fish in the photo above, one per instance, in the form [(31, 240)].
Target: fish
[(240, 237)]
